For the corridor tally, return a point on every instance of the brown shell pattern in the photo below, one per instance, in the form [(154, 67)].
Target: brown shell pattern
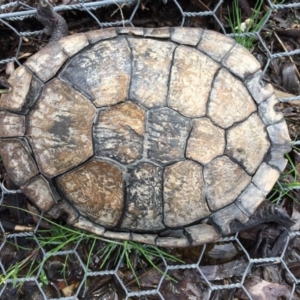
[(144, 134)]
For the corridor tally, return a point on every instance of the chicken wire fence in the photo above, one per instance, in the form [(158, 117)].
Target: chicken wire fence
[(208, 277)]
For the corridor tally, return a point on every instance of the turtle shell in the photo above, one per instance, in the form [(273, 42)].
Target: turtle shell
[(162, 136)]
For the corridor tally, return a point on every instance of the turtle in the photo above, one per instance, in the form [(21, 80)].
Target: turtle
[(164, 136)]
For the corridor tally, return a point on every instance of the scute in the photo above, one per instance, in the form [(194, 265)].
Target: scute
[(154, 135), (96, 189), (190, 83), (144, 198), (167, 135), (184, 195), (60, 127), (102, 72), (119, 132)]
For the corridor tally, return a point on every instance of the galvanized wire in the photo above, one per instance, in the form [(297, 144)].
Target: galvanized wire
[(25, 12)]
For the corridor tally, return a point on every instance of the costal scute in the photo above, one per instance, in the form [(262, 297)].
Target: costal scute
[(164, 136)]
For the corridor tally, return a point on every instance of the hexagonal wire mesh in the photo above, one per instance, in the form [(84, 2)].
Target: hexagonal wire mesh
[(205, 273)]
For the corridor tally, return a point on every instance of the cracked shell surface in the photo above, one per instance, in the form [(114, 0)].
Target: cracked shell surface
[(154, 135)]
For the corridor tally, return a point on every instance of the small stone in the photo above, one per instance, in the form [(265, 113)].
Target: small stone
[(208, 44), (20, 82), (96, 189), (241, 62), (226, 106), (248, 143), (40, 192), (250, 199), (19, 164), (279, 135), (191, 76), (172, 242), (202, 234), (162, 32), (150, 71), (59, 128), (167, 135), (186, 36), (267, 112), (259, 90), (11, 124), (119, 132), (102, 73), (223, 217), (206, 141), (47, 61), (224, 181), (101, 34), (83, 223), (143, 210), (72, 44), (265, 178), (184, 197)]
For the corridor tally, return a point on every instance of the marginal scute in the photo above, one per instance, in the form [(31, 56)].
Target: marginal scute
[(168, 132), (276, 158), (33, 94), (20, 82), (190, 84), (40, 192), (250, 199), (101, 34), (162, 32), (144, 238), (59, 128), (61, 208), (279, 135), (143, 211), (85, 224), (96, 189), (208, 44), (11, 124), (202, 234), (184, 197), (248, 143), (19, 164), (47, 61), (72, 44), (102, 73), (267, 112), (117, 235), (134, 31), (223, 217), (151, 64), (241, 62), (224, 181), (119, 132), (226, 106), (259, 91), (206, 141), (186, 36), (265, 178), (172, 242)]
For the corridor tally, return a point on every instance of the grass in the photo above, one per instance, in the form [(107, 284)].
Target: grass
[(61, 238), (251, 25), (288, 182)]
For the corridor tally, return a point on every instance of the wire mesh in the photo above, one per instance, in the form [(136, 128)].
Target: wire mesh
[(21, 12)]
